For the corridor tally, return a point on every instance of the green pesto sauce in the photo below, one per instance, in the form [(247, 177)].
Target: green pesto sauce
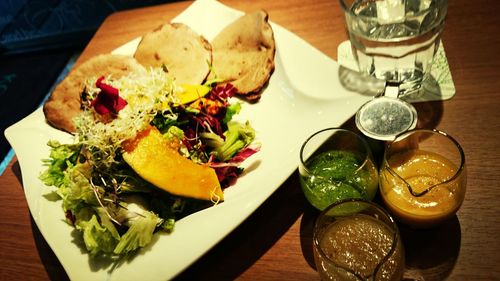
[(334, 178)]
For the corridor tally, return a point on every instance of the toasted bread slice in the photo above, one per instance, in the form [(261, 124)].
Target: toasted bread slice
[(64, 102), (186, 55), (243, 54)]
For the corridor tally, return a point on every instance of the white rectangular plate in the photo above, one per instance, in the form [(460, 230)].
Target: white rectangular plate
[(303, 95)]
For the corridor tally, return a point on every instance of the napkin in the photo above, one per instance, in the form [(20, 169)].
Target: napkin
[(441, 87)]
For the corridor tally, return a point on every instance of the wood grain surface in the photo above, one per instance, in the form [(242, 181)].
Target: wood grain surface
[(274, 243)]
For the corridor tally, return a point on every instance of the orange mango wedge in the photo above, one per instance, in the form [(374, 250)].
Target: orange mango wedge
[(152, 157)]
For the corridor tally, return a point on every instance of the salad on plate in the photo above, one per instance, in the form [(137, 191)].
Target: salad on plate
[(146, 153)]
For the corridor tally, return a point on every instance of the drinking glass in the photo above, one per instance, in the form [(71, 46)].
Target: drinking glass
[(357, 240), (336, 164), (395, 40), (423, 177)]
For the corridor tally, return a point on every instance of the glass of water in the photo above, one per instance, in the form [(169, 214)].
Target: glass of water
[(395, 40)]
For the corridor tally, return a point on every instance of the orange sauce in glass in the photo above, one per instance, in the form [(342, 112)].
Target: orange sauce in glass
[(421, 170)]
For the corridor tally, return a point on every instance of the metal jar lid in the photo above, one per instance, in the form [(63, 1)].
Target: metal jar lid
[(386, 116)]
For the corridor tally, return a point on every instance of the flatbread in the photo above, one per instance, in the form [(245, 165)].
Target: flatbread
[(243, 54), (64, 102), (186, 55)]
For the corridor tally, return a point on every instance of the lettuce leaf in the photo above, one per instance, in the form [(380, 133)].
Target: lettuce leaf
[(141, 226), (75, 189), (98, 238), (62, 157), (139, 233)]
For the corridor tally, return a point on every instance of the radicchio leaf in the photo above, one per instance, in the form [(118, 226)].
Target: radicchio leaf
[(222, 93), (108, 100)]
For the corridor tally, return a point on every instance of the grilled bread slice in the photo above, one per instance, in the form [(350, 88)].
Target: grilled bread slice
[(243, 54), (64, 102), (185, 54)]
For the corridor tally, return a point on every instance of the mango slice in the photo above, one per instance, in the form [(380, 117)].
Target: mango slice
[(152, 157), (192, 93)]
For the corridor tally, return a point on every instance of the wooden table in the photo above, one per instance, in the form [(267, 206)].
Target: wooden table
[(275, 242)]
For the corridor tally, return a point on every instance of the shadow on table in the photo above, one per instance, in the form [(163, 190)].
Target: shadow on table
[(429, 114), (306, 233), (52, 265), (431, 254)]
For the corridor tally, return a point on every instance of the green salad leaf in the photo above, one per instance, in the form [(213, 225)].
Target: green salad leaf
[(99, 237), (62, 156)]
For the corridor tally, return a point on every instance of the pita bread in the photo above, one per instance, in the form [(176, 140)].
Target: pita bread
[(186, 55), (64, 102), (243, 54)]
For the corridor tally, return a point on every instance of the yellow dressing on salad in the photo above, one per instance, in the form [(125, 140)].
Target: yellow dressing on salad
[(192, 93)]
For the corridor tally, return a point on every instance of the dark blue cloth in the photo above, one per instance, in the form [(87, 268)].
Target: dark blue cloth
[(33, 25)]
